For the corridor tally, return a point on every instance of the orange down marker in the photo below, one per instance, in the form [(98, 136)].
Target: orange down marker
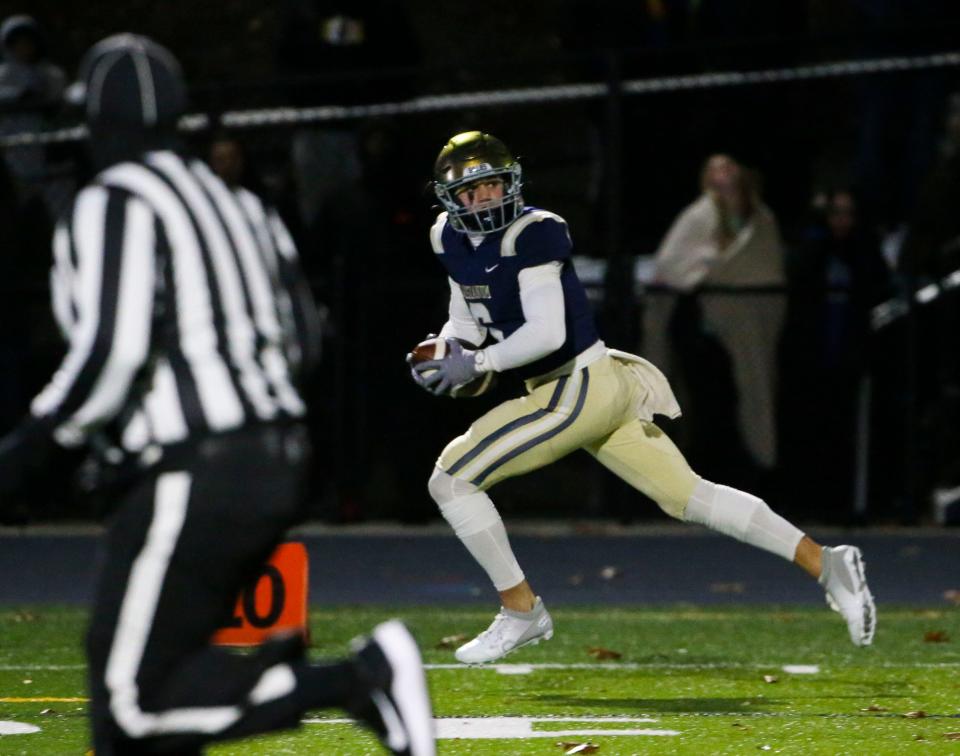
[(275, 601)]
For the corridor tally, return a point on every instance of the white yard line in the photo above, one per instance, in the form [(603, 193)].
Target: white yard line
[(515, 728), (801, 669), (17, 728)]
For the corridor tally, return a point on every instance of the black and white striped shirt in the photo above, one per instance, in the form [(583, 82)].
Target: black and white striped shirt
[(177, 300)]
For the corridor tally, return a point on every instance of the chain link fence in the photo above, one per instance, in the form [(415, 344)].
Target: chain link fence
[(619, 158)]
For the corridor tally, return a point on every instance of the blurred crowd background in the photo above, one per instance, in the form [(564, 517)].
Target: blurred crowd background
[(741, 237)]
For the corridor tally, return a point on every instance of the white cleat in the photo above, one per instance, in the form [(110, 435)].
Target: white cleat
[(845, 581), (509, 631)]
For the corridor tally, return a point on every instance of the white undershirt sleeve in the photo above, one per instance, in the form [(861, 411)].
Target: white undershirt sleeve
[(460, 321), (545, 329)]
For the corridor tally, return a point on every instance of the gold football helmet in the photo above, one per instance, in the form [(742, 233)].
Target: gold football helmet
[(469, 158)]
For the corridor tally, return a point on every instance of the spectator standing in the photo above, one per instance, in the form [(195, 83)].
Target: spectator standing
[(724, 257), (228, 160), (31, 90), (347, 48), (836, 275), (34, 189), (931, 252), (346, 53)]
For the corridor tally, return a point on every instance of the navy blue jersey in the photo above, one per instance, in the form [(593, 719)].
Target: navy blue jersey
[(488, 276)]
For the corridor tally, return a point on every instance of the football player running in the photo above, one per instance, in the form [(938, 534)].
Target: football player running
[(513, 286)]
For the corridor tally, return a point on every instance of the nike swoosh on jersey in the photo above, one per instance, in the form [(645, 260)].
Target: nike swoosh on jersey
[(491, 268)]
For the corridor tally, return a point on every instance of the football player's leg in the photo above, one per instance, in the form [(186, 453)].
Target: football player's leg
[(644, 456), (514, 438), (523, 619), (839, 570), (476, 522)]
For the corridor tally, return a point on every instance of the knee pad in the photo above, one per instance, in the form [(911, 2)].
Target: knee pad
[(444, 488), (462, 504)]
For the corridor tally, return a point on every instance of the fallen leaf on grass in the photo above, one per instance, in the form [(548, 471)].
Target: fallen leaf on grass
[(936, 636), (451, 641), (771, 678), (603, 654), (740, 726), (727, 588), (919, 737), (915, 715), (783, 617), (574, 748), (875, 707), (952, 735)]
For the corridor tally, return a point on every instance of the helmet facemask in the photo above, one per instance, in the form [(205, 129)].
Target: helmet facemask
[(475, 158)]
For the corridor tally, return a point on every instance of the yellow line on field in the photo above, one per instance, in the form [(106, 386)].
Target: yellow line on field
[(44, 700)]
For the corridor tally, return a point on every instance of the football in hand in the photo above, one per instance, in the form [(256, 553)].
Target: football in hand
[(436, 349)]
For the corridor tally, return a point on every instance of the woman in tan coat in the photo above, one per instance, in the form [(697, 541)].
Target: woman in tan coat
[(729, 238)]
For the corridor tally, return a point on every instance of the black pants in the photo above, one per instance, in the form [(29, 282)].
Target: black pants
[(180, 546)]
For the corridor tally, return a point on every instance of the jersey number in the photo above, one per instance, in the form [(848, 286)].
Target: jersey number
[(482, 315)]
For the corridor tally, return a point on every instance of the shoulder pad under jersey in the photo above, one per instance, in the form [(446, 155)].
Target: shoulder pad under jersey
[(508, 245), (436, 232)]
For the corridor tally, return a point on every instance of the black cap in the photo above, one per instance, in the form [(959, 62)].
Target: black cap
[(129, 82)]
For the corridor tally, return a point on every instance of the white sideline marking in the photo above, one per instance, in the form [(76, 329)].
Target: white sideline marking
[(514, 669), (524, 669), (797, 669), (17, 728), (802, 669), (516, 728), (41, 667)]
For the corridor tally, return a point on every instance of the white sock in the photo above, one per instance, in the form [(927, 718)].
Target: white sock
[(743, 516), (477, 524)]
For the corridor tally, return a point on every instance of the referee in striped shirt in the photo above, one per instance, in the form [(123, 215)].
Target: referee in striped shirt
[(187, 322)]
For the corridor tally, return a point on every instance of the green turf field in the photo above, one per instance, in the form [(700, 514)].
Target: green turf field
[(714, 677)]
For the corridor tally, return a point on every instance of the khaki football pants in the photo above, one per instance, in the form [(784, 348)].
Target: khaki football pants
[(595, 409)]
